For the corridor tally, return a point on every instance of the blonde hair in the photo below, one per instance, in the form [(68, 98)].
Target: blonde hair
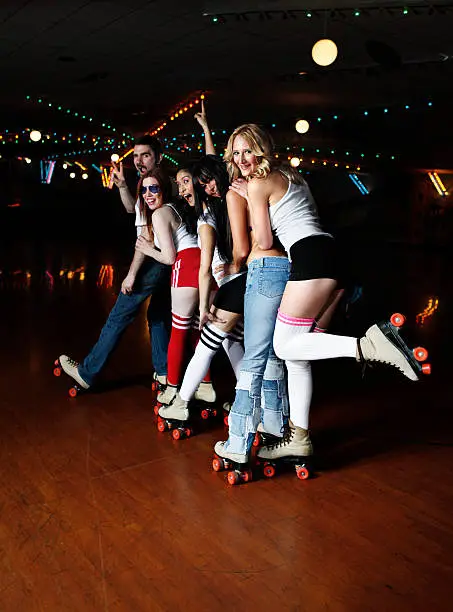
[(261, 145)]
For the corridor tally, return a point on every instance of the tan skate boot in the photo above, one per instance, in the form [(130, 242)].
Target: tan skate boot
[(166, 396), (376, 346), (177, 410), (224, 453), (296, 443), (70, 367), (205, 393), (159, 382)]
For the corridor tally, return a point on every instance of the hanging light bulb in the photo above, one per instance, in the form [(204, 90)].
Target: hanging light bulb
[(84, 176), (72, 175), (35, 135), (294, 161), (324, 52), (115, 157), (302, 126)]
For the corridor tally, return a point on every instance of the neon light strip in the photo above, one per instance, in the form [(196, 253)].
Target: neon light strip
[(434, 182), (358, 183), (440, 183), (50, 168)]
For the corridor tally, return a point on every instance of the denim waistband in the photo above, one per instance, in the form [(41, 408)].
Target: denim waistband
[(269, 262)]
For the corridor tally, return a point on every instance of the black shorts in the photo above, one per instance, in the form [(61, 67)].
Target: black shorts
[(314, 257), (230, 296)]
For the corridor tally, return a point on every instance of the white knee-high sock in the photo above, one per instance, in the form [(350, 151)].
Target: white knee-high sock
[(300, 388), (291, 342), (210, 341), (235, 352)]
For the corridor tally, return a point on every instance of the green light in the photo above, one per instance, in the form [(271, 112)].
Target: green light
[(357, 14), (309, 15), (405, 11)]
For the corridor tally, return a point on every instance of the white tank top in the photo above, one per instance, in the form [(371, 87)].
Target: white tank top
[(208, 219), (295, 216), (181, 237)]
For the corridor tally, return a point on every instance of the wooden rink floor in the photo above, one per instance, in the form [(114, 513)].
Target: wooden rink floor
[(100, 511)]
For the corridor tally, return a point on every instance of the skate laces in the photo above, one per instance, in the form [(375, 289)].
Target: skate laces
[(72, 362), (285, 440)]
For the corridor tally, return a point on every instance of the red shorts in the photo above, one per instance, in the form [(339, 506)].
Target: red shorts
[(184, 272)]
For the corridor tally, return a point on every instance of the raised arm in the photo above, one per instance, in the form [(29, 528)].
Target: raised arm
[(127, 198), (162, 226), (208, 241), (203, 121)]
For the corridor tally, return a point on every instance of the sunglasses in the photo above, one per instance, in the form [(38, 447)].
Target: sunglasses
[(151, 188)]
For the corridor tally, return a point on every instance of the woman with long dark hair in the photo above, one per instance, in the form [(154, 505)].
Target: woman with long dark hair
[(223, 236)]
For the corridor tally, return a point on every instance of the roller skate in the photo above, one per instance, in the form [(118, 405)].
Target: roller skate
[(264, 438), (226, 411), (295, 448), (206, 395), (238, 466), (70, 367), (175, 418), (159, 384), (382, 342)]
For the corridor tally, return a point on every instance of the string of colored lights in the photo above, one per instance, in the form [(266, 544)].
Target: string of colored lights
[(58, 107), (338, 14), (181, 108)]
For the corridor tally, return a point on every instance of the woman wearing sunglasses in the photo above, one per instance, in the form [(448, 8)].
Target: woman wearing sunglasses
[(172, 241)]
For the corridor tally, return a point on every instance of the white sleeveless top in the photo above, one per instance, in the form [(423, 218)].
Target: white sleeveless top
[(181, 237), (295, 216), (208, 219)]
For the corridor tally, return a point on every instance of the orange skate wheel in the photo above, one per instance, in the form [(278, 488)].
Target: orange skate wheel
[(188, 432), (225, 420), (426, 368), (154, 386), (302, 472), (156, 409), (420, 353), (269, 471), (176, 434), (217, 464), (214, 413), (72, 392), (397, 319), (204, 414), (161, 425), (256, 440), (56, 362), (233, 478), (247, 475), (57, 372)]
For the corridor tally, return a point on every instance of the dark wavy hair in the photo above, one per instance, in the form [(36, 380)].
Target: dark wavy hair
[(207, 168), (153, 143), (186, 212)]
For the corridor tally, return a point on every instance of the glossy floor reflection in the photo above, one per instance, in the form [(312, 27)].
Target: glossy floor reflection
[(102, 512)]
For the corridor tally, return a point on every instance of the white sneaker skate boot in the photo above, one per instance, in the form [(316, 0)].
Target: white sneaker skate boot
[(377, 346), (177, 410), (166, 396), (296, 443), (205, 393), (159, 382), (70, 367), (224, 453)]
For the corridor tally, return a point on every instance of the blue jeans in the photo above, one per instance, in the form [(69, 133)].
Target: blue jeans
[(262, 375), (152, 279)]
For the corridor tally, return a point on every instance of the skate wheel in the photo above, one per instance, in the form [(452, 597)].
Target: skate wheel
[(176, 434), (217, 464), (188, 432), (57, 372), (233, 478), (161, 425), (56, 362), (269, 471), (72, 392), (225, 420), (420, 353), (154, 386), (397, 319), (426, 368), (156, 409), (302, 472), (247, 476), (204, 414), (214, 413), (256, 440)]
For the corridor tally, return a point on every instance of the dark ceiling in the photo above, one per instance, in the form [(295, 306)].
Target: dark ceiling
[(129, 64)]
